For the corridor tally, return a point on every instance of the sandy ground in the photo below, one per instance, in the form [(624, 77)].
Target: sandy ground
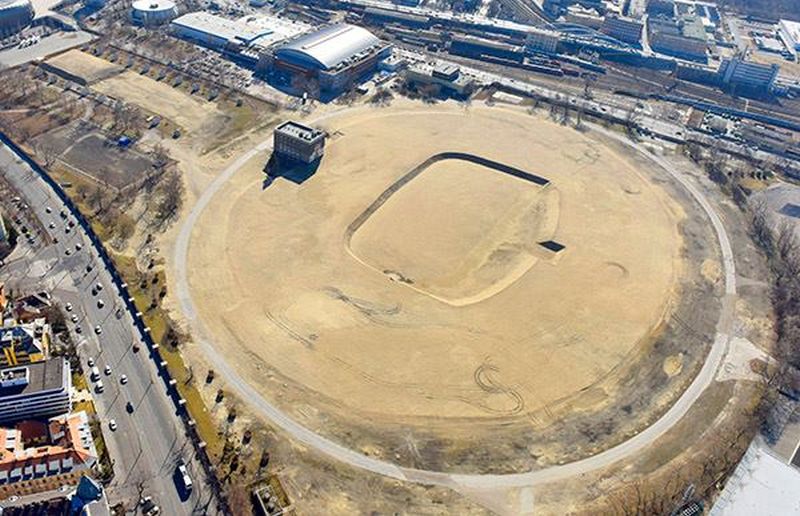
[(189, 112), (276, 285), (487, 239), (85, 65)]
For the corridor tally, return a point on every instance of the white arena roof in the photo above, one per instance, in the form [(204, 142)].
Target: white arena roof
[(329, 47)]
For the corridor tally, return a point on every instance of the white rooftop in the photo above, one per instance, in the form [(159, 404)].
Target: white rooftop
[(762, 484), (249, 30), (153, 5), (330, 46), (791, 28)]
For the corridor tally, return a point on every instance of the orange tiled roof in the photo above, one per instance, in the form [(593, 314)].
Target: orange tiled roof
[(66, 443)]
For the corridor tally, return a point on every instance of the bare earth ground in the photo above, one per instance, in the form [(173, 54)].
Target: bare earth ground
[(340, 342), (85, 65), (486, 241), (189, 112), (96, 157)]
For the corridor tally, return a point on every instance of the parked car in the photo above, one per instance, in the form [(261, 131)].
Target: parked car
[(183, 477)]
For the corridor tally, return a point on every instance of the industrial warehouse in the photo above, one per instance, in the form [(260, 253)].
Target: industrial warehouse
[(245, 39)]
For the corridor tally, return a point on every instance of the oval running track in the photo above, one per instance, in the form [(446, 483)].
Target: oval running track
[(490, 481)]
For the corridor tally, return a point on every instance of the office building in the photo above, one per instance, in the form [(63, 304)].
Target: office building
[(625, 30), (35, 390), (296, 142)]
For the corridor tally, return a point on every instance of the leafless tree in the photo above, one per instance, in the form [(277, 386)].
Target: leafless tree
[(47, 152), (170, 199)]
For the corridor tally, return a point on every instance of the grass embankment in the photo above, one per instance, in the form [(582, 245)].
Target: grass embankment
[(145, 287)]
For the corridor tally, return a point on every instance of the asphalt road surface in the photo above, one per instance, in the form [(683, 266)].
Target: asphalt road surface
[(147, 443), (358, 460)]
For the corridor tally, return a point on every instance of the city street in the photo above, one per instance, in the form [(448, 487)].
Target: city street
[(148, 442)]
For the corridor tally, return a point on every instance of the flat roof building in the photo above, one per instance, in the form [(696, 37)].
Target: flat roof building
[(24, 343), (471, 46), (298, 142), (448, 77), (624, 29), (747, 78), (259, 32), (666, 37), (35, 390), (789, 33), (542, 40), (378, 14)]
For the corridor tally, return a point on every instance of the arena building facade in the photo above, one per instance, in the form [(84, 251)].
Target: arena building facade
[(325, 62)]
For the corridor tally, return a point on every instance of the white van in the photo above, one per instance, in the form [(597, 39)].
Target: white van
[(183, 473), (94, 373)]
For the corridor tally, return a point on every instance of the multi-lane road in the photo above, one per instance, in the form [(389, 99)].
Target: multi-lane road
[(148, 442)]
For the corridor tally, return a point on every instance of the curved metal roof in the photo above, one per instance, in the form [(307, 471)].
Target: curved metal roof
[(328, 47)]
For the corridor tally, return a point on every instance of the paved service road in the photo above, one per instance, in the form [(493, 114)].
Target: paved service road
[(147, 443), (358, 460)]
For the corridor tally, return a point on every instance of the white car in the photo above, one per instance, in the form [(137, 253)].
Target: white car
[(123, 379), (107, 370), (68, 307), (48, 209), (52, 225), (74, 318), (100, 303), (90, 362), (112, 425), (98, 330), (99, 287), (78, 247)]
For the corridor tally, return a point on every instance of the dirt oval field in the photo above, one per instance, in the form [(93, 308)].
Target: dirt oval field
[(465, 294)]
